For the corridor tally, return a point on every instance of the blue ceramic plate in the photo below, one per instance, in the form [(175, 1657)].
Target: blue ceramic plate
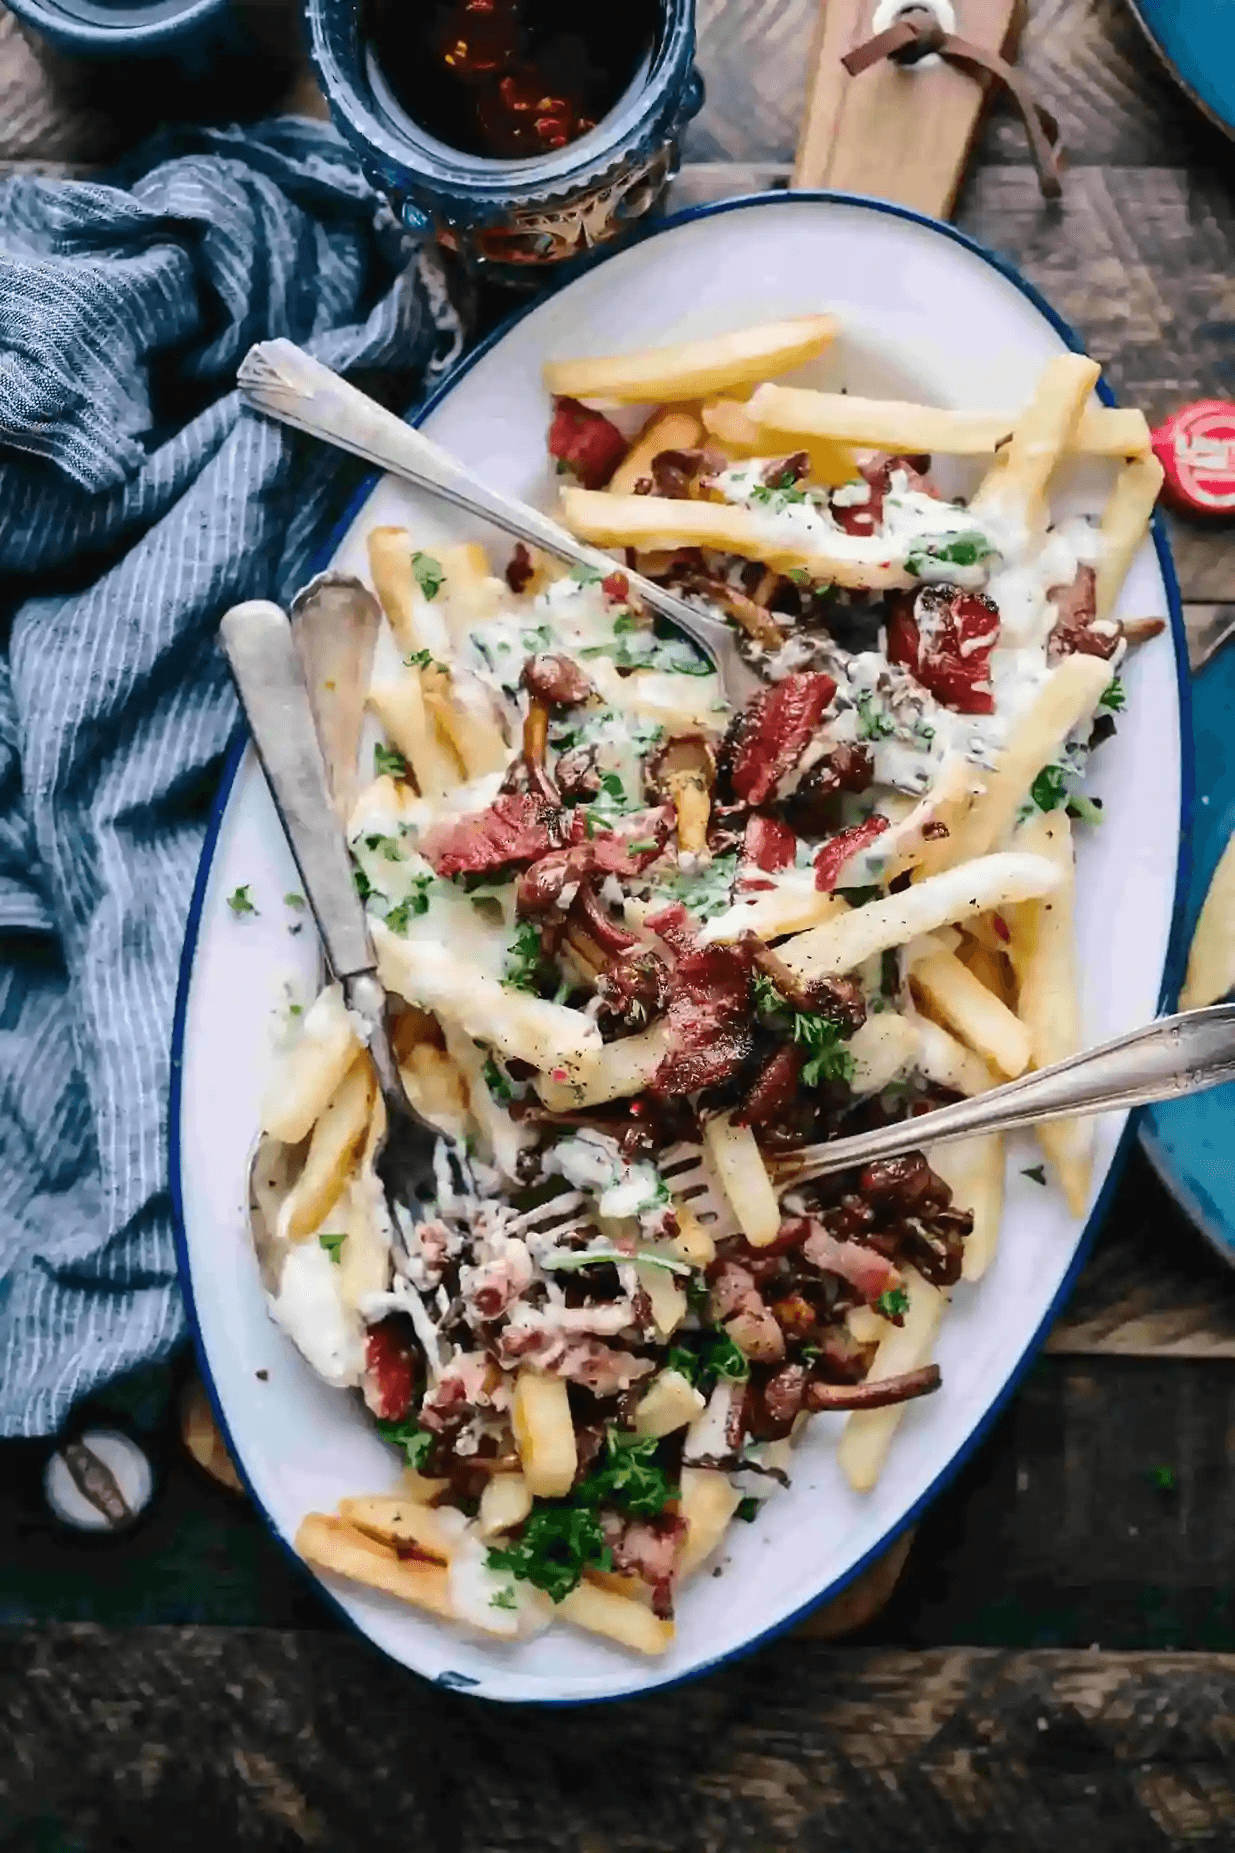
[(1197, 39), (1190, 1141)]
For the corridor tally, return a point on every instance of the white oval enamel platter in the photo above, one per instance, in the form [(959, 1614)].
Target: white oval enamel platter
[(923, 315)]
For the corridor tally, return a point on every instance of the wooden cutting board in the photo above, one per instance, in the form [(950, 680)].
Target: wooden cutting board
[(901, 134)]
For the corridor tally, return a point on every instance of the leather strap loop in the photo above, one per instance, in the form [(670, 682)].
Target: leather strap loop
[(918, 33)]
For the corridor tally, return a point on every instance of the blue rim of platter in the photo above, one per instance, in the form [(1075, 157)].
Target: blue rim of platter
[(1172, 970), (1168, 31)]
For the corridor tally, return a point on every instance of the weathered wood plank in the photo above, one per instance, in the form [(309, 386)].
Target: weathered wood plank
[(281, 1742)]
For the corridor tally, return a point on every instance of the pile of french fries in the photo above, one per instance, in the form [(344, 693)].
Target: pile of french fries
[(985, 924)]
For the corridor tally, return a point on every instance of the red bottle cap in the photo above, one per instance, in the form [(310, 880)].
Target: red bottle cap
[(1196, 448)]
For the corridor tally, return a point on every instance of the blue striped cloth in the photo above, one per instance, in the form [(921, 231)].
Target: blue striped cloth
[(136, 503)]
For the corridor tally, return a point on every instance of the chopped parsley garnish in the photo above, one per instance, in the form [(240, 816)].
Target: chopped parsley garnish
[(747, 1510), (722, 1358), (388, 845), (799, 575), (779, 494), (388, 762), (524, 957), (893, 1303), (429, 574), (630, 1479), (408, 1435), (1163, 1478), (969, 549), (872, 725), (585, 575), (498, 1082), (557, 1544), (332, 1241), (364, 887), (715, 1355), (293, 899), (240, 903), (612, 786), (1036, 1173), (1114, 696), (563, 1539), (416, 902), (828, 1058), (504, 1599), (706, 892), (424, 659), (625, 621), (1052, 788)]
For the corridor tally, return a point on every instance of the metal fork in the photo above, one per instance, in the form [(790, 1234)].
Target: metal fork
[(281, 380), (257, 640), (1163, 1060)]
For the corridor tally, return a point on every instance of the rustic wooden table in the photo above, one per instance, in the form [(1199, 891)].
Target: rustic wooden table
[(1058, 1649)]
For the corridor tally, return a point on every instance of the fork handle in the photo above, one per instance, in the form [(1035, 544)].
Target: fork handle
[(282, 381), (257, 641), (1162, 1060)]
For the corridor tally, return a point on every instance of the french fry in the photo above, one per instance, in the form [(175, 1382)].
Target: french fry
[(1124, 525), (617, 1618), (884, 1047), (1045, 430), (464, 718), (656, 521), (912, 430), (667, 1300), (743, 1178), (1067, 699), (436, 1089), (400, 707), (730, 424), (841, 945), (672, 1402), (1049, 1004), (867, 1435), (416, 624), (692, 1241), (667, 431), (613, 1072), (364, 1259), (302, 1080), (544, 1433), (791, 907), (948, 1063), (505, 1503), (395, 1521), (693, 369), (547, 1035), (989, 967), (333, 1151), (980, 1019), (973, 1169), (910, 842), (707, 1502), (1211, 958), (423, 1488), (332, 1545)]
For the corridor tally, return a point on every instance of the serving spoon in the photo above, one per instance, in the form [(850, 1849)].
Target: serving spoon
[(282, 381)]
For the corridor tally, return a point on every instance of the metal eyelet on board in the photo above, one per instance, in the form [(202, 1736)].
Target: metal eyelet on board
[(887, 12)]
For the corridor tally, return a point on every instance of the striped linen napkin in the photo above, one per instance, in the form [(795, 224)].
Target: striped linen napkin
[(137, 502)]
